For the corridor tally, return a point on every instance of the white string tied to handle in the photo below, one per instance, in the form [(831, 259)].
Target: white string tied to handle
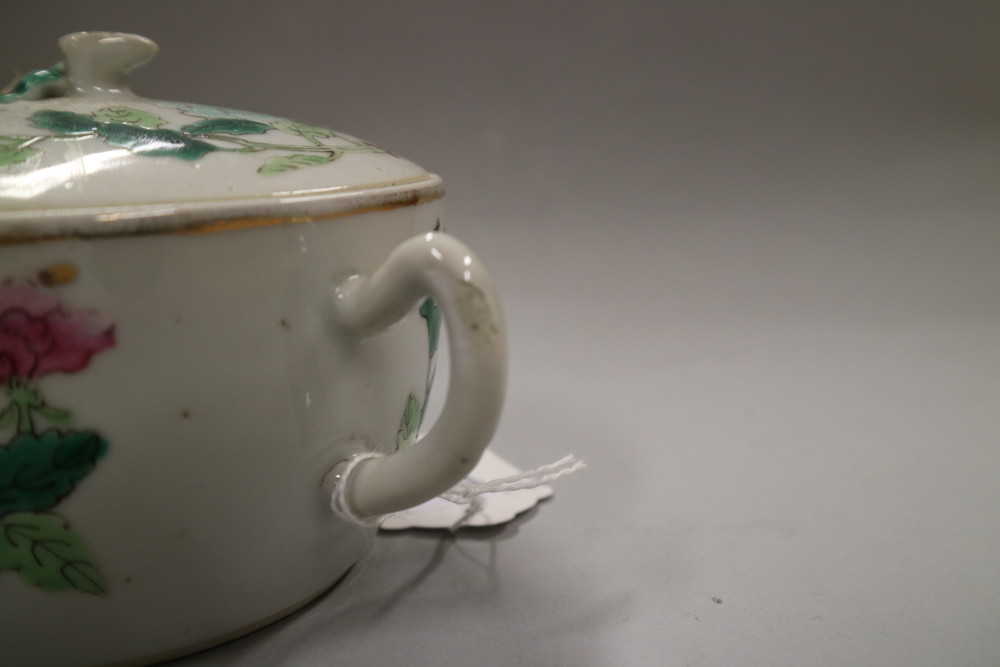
[(466, 493), (338, 501)]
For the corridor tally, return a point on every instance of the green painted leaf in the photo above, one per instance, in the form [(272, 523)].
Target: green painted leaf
[(277, 165), (128, 115), (310, 132), (36, 85), (207, 111), (36, 472), (63, 122), (430, 312), (16, 156), (47, 554), (409, 424), (14, 150), (154, 143), (226, 125)]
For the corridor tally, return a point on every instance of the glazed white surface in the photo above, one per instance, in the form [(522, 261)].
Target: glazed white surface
[(88, 173), (228, 396), (96, 159), (446, 270), (184, 216)]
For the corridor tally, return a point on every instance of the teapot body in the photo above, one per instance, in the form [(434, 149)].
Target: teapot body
[(186, 393)]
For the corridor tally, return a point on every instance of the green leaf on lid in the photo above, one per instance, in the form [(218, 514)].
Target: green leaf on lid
[(278, 165), (14, 150), (128, 115), (154, 143), (310, 132), (226, 126), (63, 122)]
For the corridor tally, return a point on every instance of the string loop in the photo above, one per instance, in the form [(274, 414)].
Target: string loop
[(466, 493)]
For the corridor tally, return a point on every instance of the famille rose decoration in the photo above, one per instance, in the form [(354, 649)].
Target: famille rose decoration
[(219, 331), (45, 457), (212, 129)]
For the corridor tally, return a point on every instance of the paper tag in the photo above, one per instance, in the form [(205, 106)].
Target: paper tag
[(496, 508)]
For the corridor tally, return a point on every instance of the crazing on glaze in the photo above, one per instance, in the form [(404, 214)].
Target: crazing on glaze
[(413, 412), (44, 459), (213, 129)]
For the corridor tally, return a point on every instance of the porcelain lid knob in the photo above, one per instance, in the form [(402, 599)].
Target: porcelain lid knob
[(97, 62)]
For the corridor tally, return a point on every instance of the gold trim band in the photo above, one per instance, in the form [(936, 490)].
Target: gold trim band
[(205, 218)]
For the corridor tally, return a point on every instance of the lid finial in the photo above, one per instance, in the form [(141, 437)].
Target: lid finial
[(96, 62)]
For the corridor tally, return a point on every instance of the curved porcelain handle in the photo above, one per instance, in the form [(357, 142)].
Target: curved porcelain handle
[(439, 266)]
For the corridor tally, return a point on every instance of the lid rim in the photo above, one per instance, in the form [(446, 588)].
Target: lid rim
[(204, 216)]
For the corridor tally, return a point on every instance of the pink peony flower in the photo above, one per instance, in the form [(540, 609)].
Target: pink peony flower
[(38, 337)]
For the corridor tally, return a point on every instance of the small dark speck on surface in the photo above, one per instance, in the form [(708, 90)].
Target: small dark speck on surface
[(464, 460), (717, 600), (474, 326), (185, 414), (128, 580), (285, 324)]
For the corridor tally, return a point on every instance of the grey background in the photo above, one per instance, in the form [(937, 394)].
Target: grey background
[(750, 256)]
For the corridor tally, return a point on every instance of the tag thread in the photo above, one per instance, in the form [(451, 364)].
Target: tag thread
[(466, 494)]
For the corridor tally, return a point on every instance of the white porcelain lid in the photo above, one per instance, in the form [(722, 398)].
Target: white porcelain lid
[(77, 147)]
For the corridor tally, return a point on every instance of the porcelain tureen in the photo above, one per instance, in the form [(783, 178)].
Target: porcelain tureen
[(218, 333)]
